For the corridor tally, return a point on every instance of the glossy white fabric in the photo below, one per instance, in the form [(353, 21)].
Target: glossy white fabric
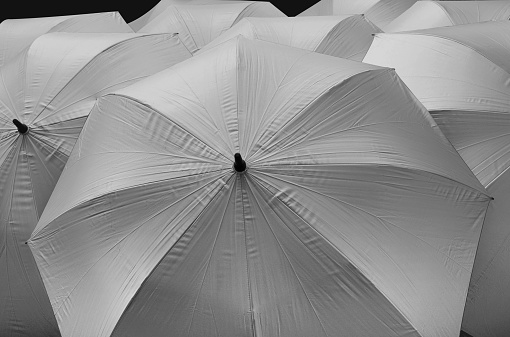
[(197, 25), (17, 34), (347, 36), (431, 14), (463, 80), (51, 87), (355, 214), (380, 12)]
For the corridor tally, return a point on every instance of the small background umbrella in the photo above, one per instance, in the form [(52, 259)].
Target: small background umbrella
[(198, 25), (49, 89), (158, 9), (347, 36), (461, 75), (380, 12), (430, 14), (17, 34), (353, 213)]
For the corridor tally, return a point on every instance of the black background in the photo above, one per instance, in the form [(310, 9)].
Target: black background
[(129, 9)]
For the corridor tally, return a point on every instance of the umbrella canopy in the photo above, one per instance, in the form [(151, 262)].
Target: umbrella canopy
[(198, 25), (380, 12), (18, 34), (463, 80), (160, 8), (430, 14), (46, 94), (321, 224), (347, 36)]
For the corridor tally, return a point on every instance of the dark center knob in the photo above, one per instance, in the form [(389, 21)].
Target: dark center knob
[(239, 163), (22, 128)]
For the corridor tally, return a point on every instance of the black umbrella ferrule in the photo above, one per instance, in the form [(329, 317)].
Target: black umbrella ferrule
[(22, 128), (239, 163)]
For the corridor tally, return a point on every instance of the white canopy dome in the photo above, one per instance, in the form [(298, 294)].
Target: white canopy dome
[(160, 8), (50, 88), (463, 80), (380, 12), (328, 229), (430, 14), (17, 34), (347, 36), (198, 25)]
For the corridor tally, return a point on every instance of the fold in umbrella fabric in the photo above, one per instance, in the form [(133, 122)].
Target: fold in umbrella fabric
[(354, 214), (197, 25), (463, 80), (347, 36), (380, 12), (431, 14), (51, 88), (160, 8), (18, 34)]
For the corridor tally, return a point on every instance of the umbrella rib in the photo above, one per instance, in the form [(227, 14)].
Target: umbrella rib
[(125, 237), (483, 141), (85, 98), (7, 92), (298, 141), (7, 227), (384, 221), (210, 256), (53, 156), (153, 270), (329, 88), (56, 122), (47, 82), (201, 103), (497, 177), (17, 247), (176, 10), (463, 44), (80, 71), (41, 139), (290, 263), (501, 248), (331, 245), (171, 121), (278, 87), (473, 189)]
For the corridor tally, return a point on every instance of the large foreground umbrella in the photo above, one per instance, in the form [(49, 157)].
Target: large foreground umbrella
[(198, 25), (430, 14), (380, 12), (347, 36), (261, 190), (17, 34), (45, 96), (462, 77)]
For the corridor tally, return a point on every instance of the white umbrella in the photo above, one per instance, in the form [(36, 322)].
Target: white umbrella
[(461, 74), (160, 8), (430, 14), (353, 214), (198, 25), (347, 36), (46, 94), (380, 12), (17, 34)]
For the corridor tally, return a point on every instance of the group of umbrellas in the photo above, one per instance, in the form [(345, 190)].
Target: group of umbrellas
[(216, 168)]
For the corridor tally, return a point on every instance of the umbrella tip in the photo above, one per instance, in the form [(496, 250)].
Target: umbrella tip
[(239, 163), (492, 198), (22, 128)]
